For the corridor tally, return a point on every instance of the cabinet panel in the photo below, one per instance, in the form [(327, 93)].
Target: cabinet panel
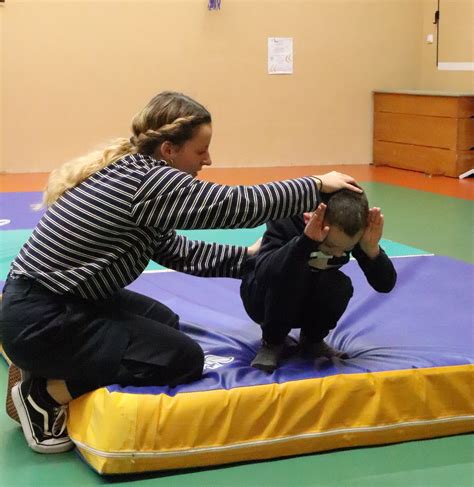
[(466, 107), (417, 105), (429, 160), (424, 131), (417, 130), (466, 134)]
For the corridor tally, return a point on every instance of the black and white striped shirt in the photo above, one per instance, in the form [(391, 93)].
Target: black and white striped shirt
[(99, 236)]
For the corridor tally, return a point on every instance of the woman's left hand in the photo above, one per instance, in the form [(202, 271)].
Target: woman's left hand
[(369, 242)]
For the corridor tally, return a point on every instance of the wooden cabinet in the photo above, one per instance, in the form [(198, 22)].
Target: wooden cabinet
[(424, 131)]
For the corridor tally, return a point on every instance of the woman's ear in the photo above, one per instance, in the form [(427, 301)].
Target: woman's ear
[(166, 150)]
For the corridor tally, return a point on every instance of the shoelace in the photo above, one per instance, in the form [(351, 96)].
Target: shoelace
[(60, 421)]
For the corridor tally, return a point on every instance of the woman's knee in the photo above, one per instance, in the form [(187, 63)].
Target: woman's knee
[(181, 363), (184, 363), (189, 363), (165, 315)]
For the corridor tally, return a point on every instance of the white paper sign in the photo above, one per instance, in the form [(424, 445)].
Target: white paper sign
[(280, 55)]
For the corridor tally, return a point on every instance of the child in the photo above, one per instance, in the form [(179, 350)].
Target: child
[(294, 280), (67, 319)]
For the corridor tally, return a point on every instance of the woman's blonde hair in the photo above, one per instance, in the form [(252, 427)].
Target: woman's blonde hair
[(169, 116)]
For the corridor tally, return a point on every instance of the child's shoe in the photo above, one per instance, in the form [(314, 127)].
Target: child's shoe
[(44, 424), (269, 355), (320, 349)]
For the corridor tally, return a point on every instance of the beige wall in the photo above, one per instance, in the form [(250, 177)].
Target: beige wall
[(456, 31), (75, 72), (456, 45)]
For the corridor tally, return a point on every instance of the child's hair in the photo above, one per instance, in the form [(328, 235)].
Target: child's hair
[(347, 210), (169, 116)]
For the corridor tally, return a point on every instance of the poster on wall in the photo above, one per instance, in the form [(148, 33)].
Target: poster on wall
[(280, 55)]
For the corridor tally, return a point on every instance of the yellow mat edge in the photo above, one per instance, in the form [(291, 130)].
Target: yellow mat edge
[(124, 433)]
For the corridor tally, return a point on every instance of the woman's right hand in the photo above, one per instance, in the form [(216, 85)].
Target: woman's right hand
[(334, 181)]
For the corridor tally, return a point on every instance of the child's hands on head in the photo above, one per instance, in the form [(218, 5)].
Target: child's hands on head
[(369, 242), (315, 228)]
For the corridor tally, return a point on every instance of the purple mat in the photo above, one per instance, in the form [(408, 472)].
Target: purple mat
[(425, 322), (16, 212)]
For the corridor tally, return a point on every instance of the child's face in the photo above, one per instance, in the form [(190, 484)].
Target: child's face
[(194, 153), (337, 243)]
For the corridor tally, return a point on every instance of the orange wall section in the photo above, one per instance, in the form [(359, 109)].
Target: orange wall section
[(409, 179)]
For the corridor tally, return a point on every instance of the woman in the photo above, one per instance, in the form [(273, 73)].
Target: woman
[(67, 318)]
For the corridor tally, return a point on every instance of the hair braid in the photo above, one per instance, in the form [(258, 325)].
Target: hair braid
[(73, 172), (168, 116), (176, 132)]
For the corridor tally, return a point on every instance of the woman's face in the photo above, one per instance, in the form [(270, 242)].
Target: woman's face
[(194, 153)]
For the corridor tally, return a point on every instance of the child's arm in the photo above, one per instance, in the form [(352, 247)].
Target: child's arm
[(380, 272), (284, 251), (369, 242), (286, 247), (374, 262)]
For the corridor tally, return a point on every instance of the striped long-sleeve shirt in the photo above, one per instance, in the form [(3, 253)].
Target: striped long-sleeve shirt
[(99, 236)]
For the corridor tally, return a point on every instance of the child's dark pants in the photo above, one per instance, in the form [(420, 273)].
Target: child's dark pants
[(314, 302)]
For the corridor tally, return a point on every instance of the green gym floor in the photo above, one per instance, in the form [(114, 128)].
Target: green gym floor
[(431, 214)]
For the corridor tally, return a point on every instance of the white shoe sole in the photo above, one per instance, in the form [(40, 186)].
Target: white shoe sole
[(48, 446)]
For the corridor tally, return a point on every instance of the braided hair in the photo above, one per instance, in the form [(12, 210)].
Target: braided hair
[(168, 116)]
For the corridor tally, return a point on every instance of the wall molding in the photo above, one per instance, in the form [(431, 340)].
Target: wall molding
[(456, 66)]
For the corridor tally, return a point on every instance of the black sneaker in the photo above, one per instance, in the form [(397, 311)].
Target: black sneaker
[(44, 425)]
